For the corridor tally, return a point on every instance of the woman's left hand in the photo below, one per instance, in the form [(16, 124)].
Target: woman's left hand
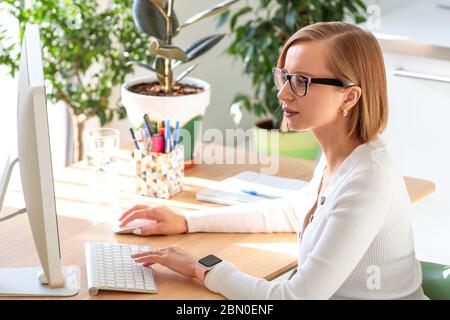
[(173, 257)]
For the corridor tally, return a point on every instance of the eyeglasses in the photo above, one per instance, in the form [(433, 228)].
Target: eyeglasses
[(299, 83)]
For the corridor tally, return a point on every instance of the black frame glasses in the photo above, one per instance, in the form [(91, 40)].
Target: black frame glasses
[(306, 81)]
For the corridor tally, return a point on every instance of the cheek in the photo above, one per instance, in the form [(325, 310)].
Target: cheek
[(327, 102), (320, 107), (317, 104)]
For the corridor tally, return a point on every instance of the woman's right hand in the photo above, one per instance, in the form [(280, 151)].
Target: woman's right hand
[(162, 220)]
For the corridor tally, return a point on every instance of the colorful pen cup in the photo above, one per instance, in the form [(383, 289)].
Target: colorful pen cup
[(159, 175)]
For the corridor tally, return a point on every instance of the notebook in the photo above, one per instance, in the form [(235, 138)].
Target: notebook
[(249, 186)]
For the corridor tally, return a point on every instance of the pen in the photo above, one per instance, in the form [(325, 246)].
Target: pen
[(170, 135), (147, 137), (167, 137), (259, 194), (148, 124), (134, 139), (176, 133), (141, 141)]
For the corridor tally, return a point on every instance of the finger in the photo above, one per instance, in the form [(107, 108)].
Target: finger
[(146, 253), (148, 230), (136, 207), (153, 258), (147, 213), (147, 264), (140, 254)]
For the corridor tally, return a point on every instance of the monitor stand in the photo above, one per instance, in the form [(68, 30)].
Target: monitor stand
[(12, 160), (26, 282), (31, 281)]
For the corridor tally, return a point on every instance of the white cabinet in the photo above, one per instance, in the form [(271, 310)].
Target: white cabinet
[(418, 135), (419, 121)]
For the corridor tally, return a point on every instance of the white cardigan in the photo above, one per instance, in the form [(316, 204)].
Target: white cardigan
[(358, 246)]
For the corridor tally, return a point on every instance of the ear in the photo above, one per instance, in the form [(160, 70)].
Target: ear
[(352, 96)]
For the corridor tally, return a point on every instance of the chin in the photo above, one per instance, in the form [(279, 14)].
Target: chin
[(296, 126)]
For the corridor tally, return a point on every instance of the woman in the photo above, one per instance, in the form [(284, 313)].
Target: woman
[(353, 218)]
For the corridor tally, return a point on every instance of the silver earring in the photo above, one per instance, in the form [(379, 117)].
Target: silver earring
[(345, 113)]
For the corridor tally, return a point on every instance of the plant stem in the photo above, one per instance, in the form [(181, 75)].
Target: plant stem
[(168, 75), (169, 25)]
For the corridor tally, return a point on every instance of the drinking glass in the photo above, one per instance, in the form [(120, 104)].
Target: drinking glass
[(102, 153)]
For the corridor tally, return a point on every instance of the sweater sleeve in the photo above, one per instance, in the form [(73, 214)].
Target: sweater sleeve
[(352, 223), (278, 215)]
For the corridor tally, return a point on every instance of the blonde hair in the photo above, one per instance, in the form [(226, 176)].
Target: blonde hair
[(354, 56)]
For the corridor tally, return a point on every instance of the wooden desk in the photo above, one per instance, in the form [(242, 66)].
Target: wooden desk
[(261, 255)]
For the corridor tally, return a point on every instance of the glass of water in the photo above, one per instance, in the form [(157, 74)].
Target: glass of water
[(102, 154)]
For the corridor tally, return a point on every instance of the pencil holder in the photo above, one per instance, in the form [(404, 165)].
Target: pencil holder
[(158, 174)]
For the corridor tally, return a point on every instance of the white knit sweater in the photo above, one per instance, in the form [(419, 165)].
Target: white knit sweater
[(358, 246)]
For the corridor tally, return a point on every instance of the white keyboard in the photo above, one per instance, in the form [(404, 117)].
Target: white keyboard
[(110, 267)]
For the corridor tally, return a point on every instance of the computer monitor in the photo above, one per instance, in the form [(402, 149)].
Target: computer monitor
[(51, 279)]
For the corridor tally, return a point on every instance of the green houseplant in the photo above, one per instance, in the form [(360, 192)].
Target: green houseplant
[(86, 51), (160, 94), (257, 42)]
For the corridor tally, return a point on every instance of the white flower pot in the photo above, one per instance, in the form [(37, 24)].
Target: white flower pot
[(182, 108)]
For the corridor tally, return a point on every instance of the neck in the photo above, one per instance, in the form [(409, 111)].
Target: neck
[(336, 146)]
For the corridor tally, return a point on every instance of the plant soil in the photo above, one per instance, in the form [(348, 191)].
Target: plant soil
[(265, 124), (155, 89)]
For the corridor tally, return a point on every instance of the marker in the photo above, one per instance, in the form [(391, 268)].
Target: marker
[(155, 128), (157, 143), (258, 194), (162, 130)]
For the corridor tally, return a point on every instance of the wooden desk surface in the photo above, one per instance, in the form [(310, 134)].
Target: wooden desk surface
[(80, 220)]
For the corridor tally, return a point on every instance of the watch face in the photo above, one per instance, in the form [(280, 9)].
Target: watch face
[(209, 261)]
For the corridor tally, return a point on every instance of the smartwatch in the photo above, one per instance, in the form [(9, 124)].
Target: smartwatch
[(204, 265)]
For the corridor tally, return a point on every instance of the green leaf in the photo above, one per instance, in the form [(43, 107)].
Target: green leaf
[(240, 12), (151, 19), (218, 8), (185, 73), (203, 45), (223, 18)]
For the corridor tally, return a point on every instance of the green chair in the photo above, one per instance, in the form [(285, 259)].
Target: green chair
[(189, 141), (298, 144), (436, 280)]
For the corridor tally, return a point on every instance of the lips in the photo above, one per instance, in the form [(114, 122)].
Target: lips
[(288, 113)]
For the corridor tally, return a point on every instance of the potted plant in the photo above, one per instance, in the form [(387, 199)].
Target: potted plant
[(161, 94), (86, 51), (258, 41)]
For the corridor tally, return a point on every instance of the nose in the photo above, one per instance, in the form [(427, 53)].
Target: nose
[(285, 93)]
